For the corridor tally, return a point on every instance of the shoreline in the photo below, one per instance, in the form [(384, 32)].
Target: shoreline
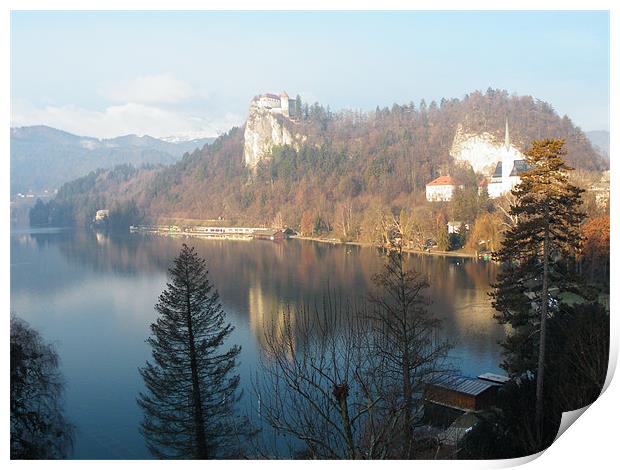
[(334, 241)]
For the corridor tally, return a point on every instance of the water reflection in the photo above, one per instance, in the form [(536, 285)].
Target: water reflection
[(257, 278), (94, 295)]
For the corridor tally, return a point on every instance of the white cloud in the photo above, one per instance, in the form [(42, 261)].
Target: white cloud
[(150, 89), (128, 118)]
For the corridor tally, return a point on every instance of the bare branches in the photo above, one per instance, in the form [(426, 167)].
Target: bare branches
[(346, 381), (405, 337), (321, 384), (504, 205)]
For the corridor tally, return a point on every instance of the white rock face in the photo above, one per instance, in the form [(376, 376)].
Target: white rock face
[(263, 131), (481, 151)]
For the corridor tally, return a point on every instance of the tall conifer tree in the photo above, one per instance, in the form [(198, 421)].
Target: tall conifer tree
[(538, 260), (191, 384)]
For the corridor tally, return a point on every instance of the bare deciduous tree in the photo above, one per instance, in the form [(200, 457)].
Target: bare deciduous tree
[(39, 429), (348, 382), (406, 339), (323, 388), (504, 204), (345, 219)]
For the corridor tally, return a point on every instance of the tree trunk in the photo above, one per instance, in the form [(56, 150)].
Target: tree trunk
[(201, 439), (407, 392), (346, 423), (408, 406), (543, 325)]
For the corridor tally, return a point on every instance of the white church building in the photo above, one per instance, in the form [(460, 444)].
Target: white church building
[(508, 170)]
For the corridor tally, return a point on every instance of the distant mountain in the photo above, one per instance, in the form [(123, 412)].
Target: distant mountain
[(600, 141), (43, 158)]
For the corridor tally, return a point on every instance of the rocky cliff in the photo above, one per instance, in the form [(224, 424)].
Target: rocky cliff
[(481, 151), (263, 131)]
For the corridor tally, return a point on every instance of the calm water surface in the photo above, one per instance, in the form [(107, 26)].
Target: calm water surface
[(92, 295)]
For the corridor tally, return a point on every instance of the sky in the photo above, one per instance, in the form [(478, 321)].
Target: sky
[(193, 74)]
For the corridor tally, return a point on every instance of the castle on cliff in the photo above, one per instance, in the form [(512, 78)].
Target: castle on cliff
[(265, 128), (277, 104)]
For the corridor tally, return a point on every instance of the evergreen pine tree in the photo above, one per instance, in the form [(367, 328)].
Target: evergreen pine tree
[(191, 384), (443, 240), (39, 214), (538, 260)]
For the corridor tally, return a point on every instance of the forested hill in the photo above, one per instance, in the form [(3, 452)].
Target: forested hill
[(348, 161)]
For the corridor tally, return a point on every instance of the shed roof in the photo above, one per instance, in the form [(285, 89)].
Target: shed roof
[(442, 181), (462, 384), (501, 379)]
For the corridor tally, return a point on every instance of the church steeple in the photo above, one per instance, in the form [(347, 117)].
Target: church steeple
[(507, 136)]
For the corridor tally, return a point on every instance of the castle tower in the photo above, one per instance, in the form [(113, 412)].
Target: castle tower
[(284, 103)]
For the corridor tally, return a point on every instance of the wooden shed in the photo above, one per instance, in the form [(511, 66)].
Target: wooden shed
[(461, 393)]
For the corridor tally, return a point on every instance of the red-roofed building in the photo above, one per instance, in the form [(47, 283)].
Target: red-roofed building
[(440, 189)]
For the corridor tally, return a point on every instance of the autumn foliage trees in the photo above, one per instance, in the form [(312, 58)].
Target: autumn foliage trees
[(486, 233), (594, 256)]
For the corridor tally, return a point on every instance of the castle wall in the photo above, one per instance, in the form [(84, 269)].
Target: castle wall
[(269, 102)]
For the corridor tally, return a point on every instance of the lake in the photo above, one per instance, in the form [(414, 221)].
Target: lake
[(92, 295)]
